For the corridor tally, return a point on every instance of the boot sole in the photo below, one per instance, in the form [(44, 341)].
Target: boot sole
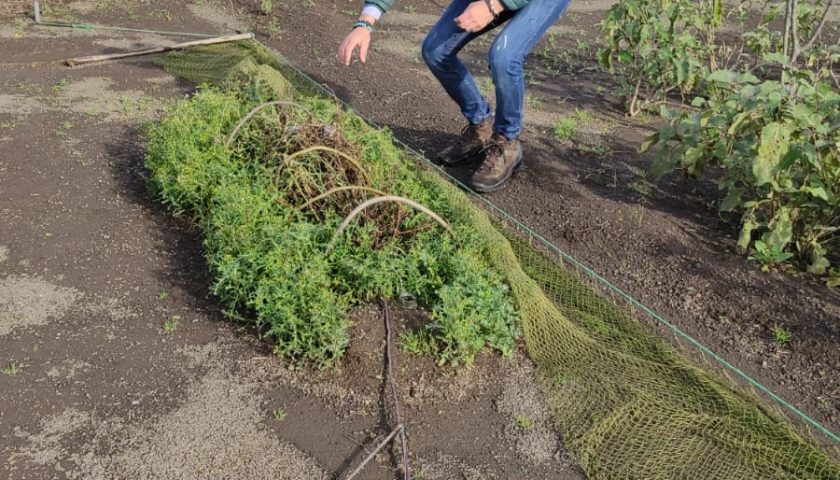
[(482, 188)]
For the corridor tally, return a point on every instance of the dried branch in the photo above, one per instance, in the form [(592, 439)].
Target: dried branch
[(387, 198), (340, 189), (255, 111)]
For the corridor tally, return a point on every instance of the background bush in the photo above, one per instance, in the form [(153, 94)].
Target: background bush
[(763, 115)]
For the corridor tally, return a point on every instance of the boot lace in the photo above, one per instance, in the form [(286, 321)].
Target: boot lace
[(494, 155)]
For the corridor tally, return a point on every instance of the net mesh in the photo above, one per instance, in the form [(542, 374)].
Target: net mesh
[(627, 404)]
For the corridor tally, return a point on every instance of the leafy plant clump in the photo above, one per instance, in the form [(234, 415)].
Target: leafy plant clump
[(777, 148), (763, 118), (270, 199), (659, 47)]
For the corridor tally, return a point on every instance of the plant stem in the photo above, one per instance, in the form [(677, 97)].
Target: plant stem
[(819, 28)]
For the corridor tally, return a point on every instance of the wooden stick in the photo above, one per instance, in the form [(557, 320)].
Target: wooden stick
[(194, 43)]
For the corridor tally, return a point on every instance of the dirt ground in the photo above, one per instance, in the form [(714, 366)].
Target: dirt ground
[(117, 364)]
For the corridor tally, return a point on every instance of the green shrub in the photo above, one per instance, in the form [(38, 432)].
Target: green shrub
[(777, 148), (660, 46), (269, 259)]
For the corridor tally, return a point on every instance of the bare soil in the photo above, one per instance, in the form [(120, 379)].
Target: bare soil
[(91, 267), (94, 385)]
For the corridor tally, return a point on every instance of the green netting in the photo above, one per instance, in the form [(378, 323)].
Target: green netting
[(627, 404)]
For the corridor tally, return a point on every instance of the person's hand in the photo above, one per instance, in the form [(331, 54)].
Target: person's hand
[(476, 16), (359, 39)]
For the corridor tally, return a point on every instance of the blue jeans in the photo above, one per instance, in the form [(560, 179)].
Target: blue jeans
[(524, 29)]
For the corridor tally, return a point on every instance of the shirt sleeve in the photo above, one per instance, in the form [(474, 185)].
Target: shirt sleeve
[(383, 5), (373, 11), (514, 4)]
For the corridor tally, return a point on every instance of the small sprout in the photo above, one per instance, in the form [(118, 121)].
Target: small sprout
[(163, 295), (171, 324), (63, 128), (60, 85), (273, 28), (781, 335), (279, 414), (11, 370), (565, 128), (524, 422)]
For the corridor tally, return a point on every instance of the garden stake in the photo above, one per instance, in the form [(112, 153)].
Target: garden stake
[(72, 62)]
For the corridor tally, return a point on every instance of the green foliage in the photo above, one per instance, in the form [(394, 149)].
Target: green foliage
[(766, 127), (565, 128), (524, 422), (781, 335), (279, 414), (660, 46), (776, 148), (171, 323), (11, 370), (269, 259)]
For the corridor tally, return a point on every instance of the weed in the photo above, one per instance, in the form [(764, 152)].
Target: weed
[(781, 335), (279, 414), (162, 296), (11, 370), (565, 128), (266, 6), (417, 343), (639, 214), (769, 255), (60, 85), (410, 9), (533, 101), (273, 28), (171, 323), (4, 125), (599, 149), (487, 87), (642, 188), (524, 422), (65, 127)]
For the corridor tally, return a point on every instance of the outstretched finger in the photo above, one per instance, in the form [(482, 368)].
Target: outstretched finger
[(348, 52), (341, 49), (363, 51)]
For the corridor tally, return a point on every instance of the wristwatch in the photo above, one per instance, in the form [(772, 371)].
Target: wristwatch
[(364, 24)]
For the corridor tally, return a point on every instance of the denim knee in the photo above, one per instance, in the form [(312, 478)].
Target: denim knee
[(433, 52), (504, 61)]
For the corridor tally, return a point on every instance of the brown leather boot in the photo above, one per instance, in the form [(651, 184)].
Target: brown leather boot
[(472, 140), (502, 158)]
